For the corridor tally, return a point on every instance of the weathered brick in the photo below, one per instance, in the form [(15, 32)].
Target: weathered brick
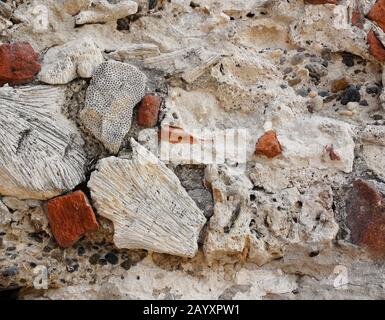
[(70, 217), (18, 63), (268, 145)]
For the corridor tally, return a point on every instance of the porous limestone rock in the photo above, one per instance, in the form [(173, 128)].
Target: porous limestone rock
[(147, 204), (77, 58), (114, 91), (102, 11), (42, 152), (333, 30), (259, 227), (272, 231)]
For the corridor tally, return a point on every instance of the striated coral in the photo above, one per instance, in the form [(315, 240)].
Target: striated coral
[(147, 204), (42, 153), (114, 91)]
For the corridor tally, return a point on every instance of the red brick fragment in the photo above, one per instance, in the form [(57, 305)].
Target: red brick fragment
[(268, 145), (70, 217), (148, 111), (376, 48), (365, 210), (18, 63), (321, 1), (358, 19), (377, 14)]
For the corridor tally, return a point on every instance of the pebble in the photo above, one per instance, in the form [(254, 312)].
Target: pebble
[(297, 59), (351, 94), (346, 113), (339, 85), (352, 106), (317, 103), (111, 258)]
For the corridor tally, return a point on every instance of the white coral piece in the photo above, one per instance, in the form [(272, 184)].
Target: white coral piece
[(78, 58), (41, 152), (101, 11), (147, 204), (114, 91)]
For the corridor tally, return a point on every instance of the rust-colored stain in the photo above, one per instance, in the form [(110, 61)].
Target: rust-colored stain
[(175, 135), (365, 210), (70, 217)]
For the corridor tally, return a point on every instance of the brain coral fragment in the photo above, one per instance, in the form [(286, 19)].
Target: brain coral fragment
[(114, 91)]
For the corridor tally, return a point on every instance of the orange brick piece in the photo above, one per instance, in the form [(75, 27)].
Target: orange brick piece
[(148, 111), (268, 145), (365, 210), (376, 48), (321, 1), (70, 217), (377, 14), (18, 63)]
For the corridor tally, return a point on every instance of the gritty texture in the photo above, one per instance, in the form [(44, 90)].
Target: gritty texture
[(304, 224)]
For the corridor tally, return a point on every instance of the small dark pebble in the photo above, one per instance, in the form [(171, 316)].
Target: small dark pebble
[(364, 103), (37, 236), (111, 258), (10, 272), (330, 98), (351, 94), (303, 92), (11, 249), (47, 249), (377, 117), (81, 251), (313, 254), (32, 265), (193, 4), (94, 258), (323, 94), (72, 268), (374, 90), (348, 59), (102, 262), (152, 4), (127, 264)]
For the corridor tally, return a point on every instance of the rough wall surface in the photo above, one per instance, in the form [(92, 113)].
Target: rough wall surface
[(271, 119)]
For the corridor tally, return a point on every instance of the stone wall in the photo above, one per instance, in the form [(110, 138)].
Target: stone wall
[(192, 149)]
